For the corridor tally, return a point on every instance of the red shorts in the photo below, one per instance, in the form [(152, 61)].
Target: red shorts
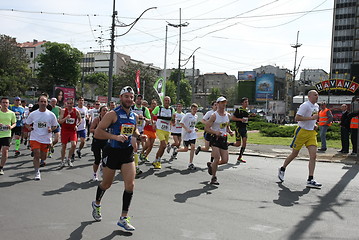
[(150, 134), (37, 145), (68, 136)]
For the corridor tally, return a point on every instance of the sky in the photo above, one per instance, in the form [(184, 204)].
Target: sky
[(225, 36)]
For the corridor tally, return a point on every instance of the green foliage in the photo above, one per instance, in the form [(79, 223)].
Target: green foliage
[(200, 125), (59, 65), (185, 92), (15, 74), (127, 78), (101, 82), (215, 93), (171, 90), (231, 95)]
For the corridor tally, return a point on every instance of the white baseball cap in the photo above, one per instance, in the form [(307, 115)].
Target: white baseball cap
[(127, 89), (221, 99)]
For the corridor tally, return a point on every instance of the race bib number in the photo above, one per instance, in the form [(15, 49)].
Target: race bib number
[(223, 125), (192, 124), (82, 115), (70, 121), (95, 115), (140, 122), (165, 125), (41, 124), (4, 128), (127, 129)]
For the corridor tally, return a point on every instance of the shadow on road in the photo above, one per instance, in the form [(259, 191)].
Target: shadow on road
[(117, 233), (182, 197), (77, 233), (287, 197), (326, 204), (72, 186)]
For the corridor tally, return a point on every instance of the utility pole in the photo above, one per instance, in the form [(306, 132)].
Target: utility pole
[(180, 25), (192, 100), (112, 49), (165, 64), (296, 46)]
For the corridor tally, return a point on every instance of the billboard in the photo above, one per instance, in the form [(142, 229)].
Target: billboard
[(264, 87), (63, 93), (246, 75)]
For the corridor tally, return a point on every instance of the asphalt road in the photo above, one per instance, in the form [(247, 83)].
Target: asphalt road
[(175, 203)]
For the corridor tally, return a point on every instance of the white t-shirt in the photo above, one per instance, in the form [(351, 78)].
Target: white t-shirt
[(189, 121), (93, 113), (208, 115), (161, 123), (177, 128), (42, 122), (307, 109), (83, 112)]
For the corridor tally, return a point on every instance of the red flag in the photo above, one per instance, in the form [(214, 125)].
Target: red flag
[(137, 81)]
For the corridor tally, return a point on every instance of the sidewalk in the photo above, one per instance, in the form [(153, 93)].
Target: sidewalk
[(279, 151)]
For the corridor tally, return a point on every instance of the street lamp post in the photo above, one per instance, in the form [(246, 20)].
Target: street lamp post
[(296, 46), (180, 25), (112, 47)]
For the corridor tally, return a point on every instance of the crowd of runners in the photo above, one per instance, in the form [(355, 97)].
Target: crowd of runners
[(124, 135)]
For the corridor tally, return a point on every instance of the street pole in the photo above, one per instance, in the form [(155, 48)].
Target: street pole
[(192, 100), (179, 58), (165, 64), (180, 25), (296, 46), (112, 49)]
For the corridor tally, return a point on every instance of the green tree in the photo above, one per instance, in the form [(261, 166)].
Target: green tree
[(231, 95), (148, 77), (185, 92), (215, 93), (59, 65), (171, 90), (98, 82), (15, 75)]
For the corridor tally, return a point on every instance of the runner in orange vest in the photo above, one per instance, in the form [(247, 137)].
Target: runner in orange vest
[(354, 123), (324, 121)]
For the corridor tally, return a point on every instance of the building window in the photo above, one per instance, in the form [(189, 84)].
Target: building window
[(31, 54)]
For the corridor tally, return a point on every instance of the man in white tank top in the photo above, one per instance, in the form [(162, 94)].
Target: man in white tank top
[(218, 127)]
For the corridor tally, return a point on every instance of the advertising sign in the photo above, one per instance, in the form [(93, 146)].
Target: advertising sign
[(246, 75), (337, 84), (264, 87), (63, 93)]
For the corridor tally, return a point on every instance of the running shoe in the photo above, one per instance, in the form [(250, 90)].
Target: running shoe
[(168, 148), (78, 153), (1, 172), (42, 164), (313, 184), (198, 149), (94, 177), (125, 223), (281, 175), (37, 176), (214, 181), (241, 160), (62, 164), (17, 153), (209, 165), (138, 171), (69, 163), (191, 166), (96, 211), (49, 155), (157, 165), (175, 152)]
